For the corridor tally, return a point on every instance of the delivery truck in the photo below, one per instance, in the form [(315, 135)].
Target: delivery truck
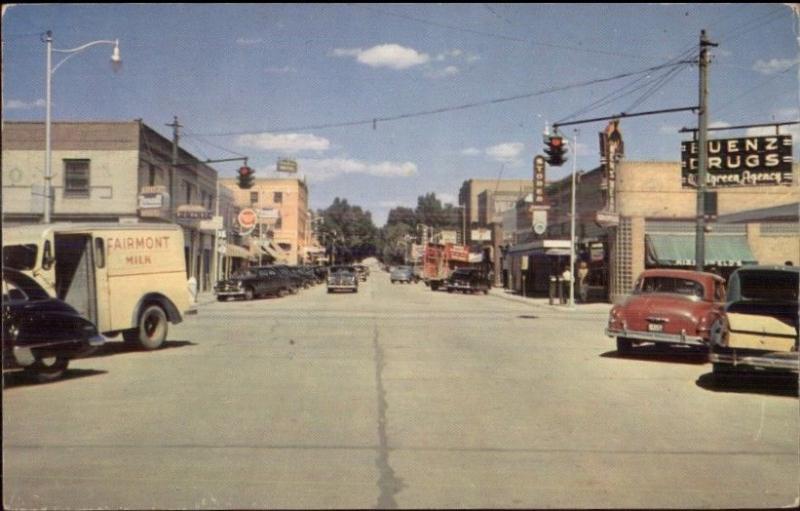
[(440, 260), (128, 279)]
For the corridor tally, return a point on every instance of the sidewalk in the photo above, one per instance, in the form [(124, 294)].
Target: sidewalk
[(590, 308)]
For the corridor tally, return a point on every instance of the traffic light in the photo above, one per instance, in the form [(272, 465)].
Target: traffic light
[(556, 149), (246, 176)]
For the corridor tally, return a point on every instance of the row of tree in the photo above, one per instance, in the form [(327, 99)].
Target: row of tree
[(349, 235)]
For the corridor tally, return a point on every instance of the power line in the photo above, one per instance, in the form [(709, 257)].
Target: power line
[(498, 36), (373, 121), (658, 85), (758, 86)]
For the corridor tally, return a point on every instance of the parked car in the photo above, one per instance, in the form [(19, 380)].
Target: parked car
[(253, 282), (342, 278), (402, 274), (297, 281), (760, 327), (41, 334), (670, 307), (468, 280)]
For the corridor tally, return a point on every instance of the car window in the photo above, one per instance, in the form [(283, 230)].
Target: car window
[(27, 286), (768, 285), (671, 285)]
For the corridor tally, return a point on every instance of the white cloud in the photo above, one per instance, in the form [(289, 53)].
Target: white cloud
[(772, 66), (764, 131), (318, 170), (668, 129), (249, 41), (472, 58), (442, 73), (280, 70), (470, 151), (391, 204), (284, 142), (392, 56), (506, 153), (15, 104), (449, 54), (446, 198), (719, 124)]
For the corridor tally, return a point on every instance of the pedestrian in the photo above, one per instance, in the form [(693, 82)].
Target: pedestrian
[(583, 272), (566, 281)]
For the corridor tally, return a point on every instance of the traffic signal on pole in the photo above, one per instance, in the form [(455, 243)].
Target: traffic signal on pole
[(556, 150), (246, 177)]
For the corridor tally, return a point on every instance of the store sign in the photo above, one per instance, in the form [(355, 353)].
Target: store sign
[(539, 221), (247, 219), (539, 180), (606, 219), (289, 166), (458, 253), (153, 200), (481, 235), (268, 214), (596, 252), (193, 212), (751, 161), (612, 149)]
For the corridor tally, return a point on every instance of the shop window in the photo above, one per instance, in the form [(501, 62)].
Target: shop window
[(76, 178), (253, 198)]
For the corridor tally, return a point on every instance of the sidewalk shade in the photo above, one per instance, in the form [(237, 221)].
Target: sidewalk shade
[(678, 250)]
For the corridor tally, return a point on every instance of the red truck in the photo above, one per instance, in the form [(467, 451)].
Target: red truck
[(439, 261)]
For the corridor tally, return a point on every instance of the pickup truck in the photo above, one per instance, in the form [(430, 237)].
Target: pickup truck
[(760, 328)]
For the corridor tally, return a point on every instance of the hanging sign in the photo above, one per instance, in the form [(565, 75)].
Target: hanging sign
[(751, 161)]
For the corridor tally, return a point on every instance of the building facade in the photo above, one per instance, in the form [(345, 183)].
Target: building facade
[(111, 172), (285, 219), (653, 226)]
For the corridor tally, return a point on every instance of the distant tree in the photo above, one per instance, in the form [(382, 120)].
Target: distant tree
[(402, 215), (394, 240), (349, 231)]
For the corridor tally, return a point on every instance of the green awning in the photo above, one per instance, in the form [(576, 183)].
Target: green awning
[(678, 250)]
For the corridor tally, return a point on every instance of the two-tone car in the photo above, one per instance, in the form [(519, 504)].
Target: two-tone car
[(342, 278), (760, 329), (41, 334), (669, 307)]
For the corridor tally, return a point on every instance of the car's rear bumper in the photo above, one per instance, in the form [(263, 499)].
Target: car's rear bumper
[(682, 338), (778, 361)]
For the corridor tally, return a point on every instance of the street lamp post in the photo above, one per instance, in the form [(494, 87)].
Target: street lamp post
[(116, 61), (572, 223)]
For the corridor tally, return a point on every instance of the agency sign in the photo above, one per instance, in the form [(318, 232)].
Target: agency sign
[(751, 161)]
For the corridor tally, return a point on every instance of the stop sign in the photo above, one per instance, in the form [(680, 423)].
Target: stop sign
[(247, 218)]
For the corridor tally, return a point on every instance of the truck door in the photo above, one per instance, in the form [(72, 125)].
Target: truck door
[(75, 273), (102, 292)]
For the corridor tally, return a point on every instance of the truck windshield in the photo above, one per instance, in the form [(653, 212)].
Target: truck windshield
[(19, 257)]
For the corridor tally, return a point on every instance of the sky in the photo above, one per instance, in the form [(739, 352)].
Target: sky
[(382, 103)]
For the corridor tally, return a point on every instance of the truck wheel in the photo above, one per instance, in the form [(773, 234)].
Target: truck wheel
[(152, 329), (624, 345), (47, 369)]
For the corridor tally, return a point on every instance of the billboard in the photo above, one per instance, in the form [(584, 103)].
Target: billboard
[(750, 161)]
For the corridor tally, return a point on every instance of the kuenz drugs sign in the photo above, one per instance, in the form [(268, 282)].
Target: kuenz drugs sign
[(750, 161)]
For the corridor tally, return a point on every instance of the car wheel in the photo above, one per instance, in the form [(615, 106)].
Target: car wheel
[(723, 373), (624, 345), (248, 293), (282, 292), (486, 291), (222, 298), (47, 369), (151, 331)]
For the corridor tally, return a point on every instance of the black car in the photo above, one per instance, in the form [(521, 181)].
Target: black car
[(253, 282), (362, 271), (468, 280), (40, 333), (295, 278)]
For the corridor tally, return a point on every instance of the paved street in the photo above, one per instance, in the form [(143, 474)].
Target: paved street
[(395, 397)]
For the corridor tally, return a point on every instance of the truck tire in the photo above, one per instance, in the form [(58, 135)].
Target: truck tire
[(151, 331)]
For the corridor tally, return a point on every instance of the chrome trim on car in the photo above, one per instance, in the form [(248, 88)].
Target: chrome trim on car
[(757, 361), (682, 338)]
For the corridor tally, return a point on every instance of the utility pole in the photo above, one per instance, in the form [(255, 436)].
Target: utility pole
[(702, 154), (175, 138)]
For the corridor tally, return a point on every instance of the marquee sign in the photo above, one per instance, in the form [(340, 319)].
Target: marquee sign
[(539, 180), (751, 161)]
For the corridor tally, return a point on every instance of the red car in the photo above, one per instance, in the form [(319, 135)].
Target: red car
[(678, 307)]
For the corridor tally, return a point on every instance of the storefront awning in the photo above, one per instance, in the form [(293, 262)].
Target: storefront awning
[(275, 252), (542, 247), (678, 250), (236, 251)]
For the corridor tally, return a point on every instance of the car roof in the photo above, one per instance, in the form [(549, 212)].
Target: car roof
[(682, 274)]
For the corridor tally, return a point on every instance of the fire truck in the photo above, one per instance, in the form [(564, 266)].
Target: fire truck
[(440, 260)]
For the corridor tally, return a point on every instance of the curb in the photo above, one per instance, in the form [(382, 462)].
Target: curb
[(599, 308)]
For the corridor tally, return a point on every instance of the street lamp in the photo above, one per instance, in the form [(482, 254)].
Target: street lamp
[(116, 63)]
